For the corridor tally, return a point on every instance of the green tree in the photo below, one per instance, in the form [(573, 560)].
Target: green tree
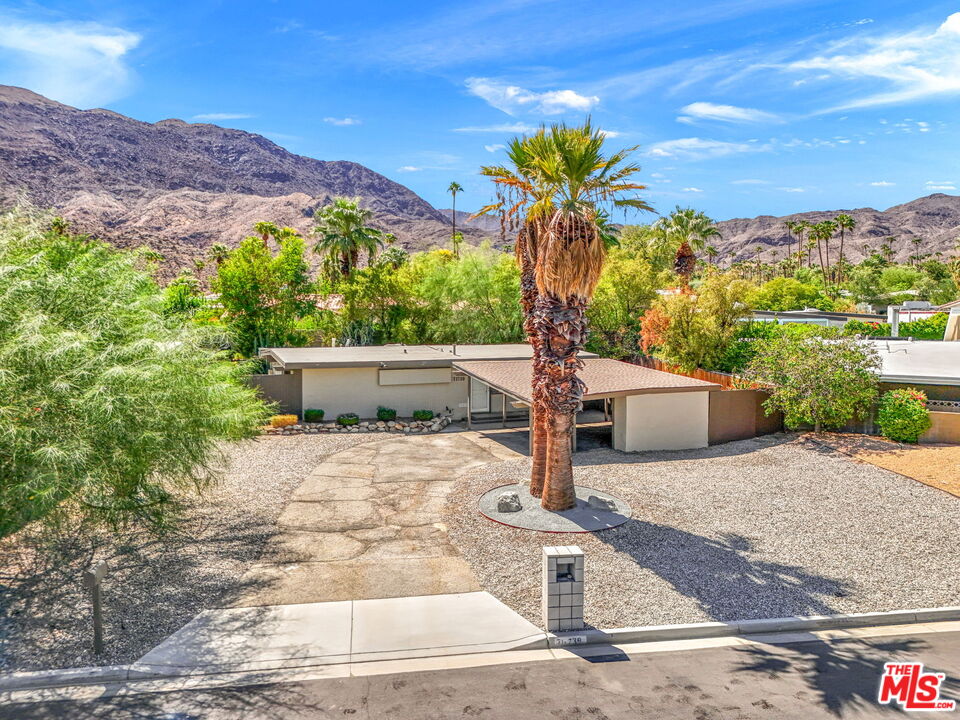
[(782, 294), (182, 295), (264, 295), (218, 252), (109, 409), (627, 286), (344, 234), (695, 330), (816, 380), (265, 230), (689, 231)]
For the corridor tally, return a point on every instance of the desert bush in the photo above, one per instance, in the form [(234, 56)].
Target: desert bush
[(423, 414), (816, 380), (869, 329), (110, 408), (279, 421), (313, 415), (931, 328), (347, 419), (903, 415), (385, 413)]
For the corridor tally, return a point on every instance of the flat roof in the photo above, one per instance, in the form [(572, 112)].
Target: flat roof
[(928, 362), (814, 313), (604, 378), (394, 356)]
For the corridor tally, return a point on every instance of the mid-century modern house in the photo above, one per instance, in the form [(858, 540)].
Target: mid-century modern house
[(649, 409)]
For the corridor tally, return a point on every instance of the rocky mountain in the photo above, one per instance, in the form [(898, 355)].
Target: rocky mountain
[(934, 219), (179, 187), (487, 223)]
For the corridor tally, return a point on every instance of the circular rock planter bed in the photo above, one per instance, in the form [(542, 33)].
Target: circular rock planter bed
[(513, 505)]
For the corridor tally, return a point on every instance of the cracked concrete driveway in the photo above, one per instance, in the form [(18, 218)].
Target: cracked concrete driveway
[(366, 524)]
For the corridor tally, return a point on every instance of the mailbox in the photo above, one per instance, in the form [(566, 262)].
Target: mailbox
[(562, 588)]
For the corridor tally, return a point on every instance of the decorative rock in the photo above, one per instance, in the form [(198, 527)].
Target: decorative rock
[(599, 503), (509, 502)]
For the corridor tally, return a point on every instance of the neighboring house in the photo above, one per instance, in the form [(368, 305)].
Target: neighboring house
[(813, 316), (929, 365), (651, 410)]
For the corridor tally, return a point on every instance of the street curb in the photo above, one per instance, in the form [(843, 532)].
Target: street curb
[(44, 679), (693, 631)]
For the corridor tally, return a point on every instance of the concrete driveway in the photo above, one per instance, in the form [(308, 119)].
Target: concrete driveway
[(366, 523)]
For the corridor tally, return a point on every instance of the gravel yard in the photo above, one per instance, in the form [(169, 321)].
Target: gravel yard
[(155, 585), (767, 527)]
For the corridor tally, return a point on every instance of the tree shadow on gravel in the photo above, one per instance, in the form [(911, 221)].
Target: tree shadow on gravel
[(723, 576), (155, 585), (843, 674)]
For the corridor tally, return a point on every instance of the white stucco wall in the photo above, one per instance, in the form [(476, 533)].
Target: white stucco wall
[(661, 421), (342, 390)]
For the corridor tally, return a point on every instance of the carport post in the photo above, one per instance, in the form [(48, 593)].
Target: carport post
[(469, 419), (503, 406)]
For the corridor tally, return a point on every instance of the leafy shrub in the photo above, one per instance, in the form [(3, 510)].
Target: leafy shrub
[(903, 415), (423, 414), (279, 421), (869, 329), (817, 380), (313, 415), (385, 413), (348, 419), (931, 328)]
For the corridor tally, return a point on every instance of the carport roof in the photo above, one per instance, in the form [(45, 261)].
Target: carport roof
[(393, 356), (604, 378)]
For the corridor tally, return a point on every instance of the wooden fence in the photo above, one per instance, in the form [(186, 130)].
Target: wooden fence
[(728, 381)]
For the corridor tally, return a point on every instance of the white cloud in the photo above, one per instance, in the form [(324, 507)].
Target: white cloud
[(724, 113), (940, 185), (206, 117), (657, 175), (749, 181), (913, 65), (409, 168), (80, 64), (512, 99), (692, 189), (699, 148), (341, 121), (494, 147), (610, 133), (882, 183), (517, 127), (792, 189)]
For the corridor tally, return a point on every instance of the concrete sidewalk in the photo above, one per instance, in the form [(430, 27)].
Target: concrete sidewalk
[(289, 636)]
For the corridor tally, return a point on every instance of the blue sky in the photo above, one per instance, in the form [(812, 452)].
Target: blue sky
[(738, 108)]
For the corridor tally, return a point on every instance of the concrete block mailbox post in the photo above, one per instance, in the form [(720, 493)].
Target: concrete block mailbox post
[(563, 588)]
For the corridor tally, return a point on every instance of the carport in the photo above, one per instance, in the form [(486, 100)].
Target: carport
[(651, 409)]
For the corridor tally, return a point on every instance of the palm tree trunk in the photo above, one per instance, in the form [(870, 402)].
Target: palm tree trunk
[(562, 327), (526, 251), (840, 261), (454, 218)]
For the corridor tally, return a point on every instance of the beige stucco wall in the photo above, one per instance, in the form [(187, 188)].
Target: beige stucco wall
[(944, 428), (341, 390), (661, 421)]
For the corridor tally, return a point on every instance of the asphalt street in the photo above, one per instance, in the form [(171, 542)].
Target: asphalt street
[(803, 680)]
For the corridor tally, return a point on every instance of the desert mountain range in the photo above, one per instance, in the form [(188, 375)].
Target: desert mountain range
[(179, 187)]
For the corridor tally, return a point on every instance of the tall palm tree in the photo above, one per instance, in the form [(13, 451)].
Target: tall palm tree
[(218, 252), (584, 182), (690, 231), (453, 189), (265, 230), (711, 252), (822, 232), (792, 228), (520, 193), (344, 234), (844, 222)]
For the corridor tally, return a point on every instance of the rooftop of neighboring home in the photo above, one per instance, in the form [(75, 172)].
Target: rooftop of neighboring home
[(929, 362), (394, 356)]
